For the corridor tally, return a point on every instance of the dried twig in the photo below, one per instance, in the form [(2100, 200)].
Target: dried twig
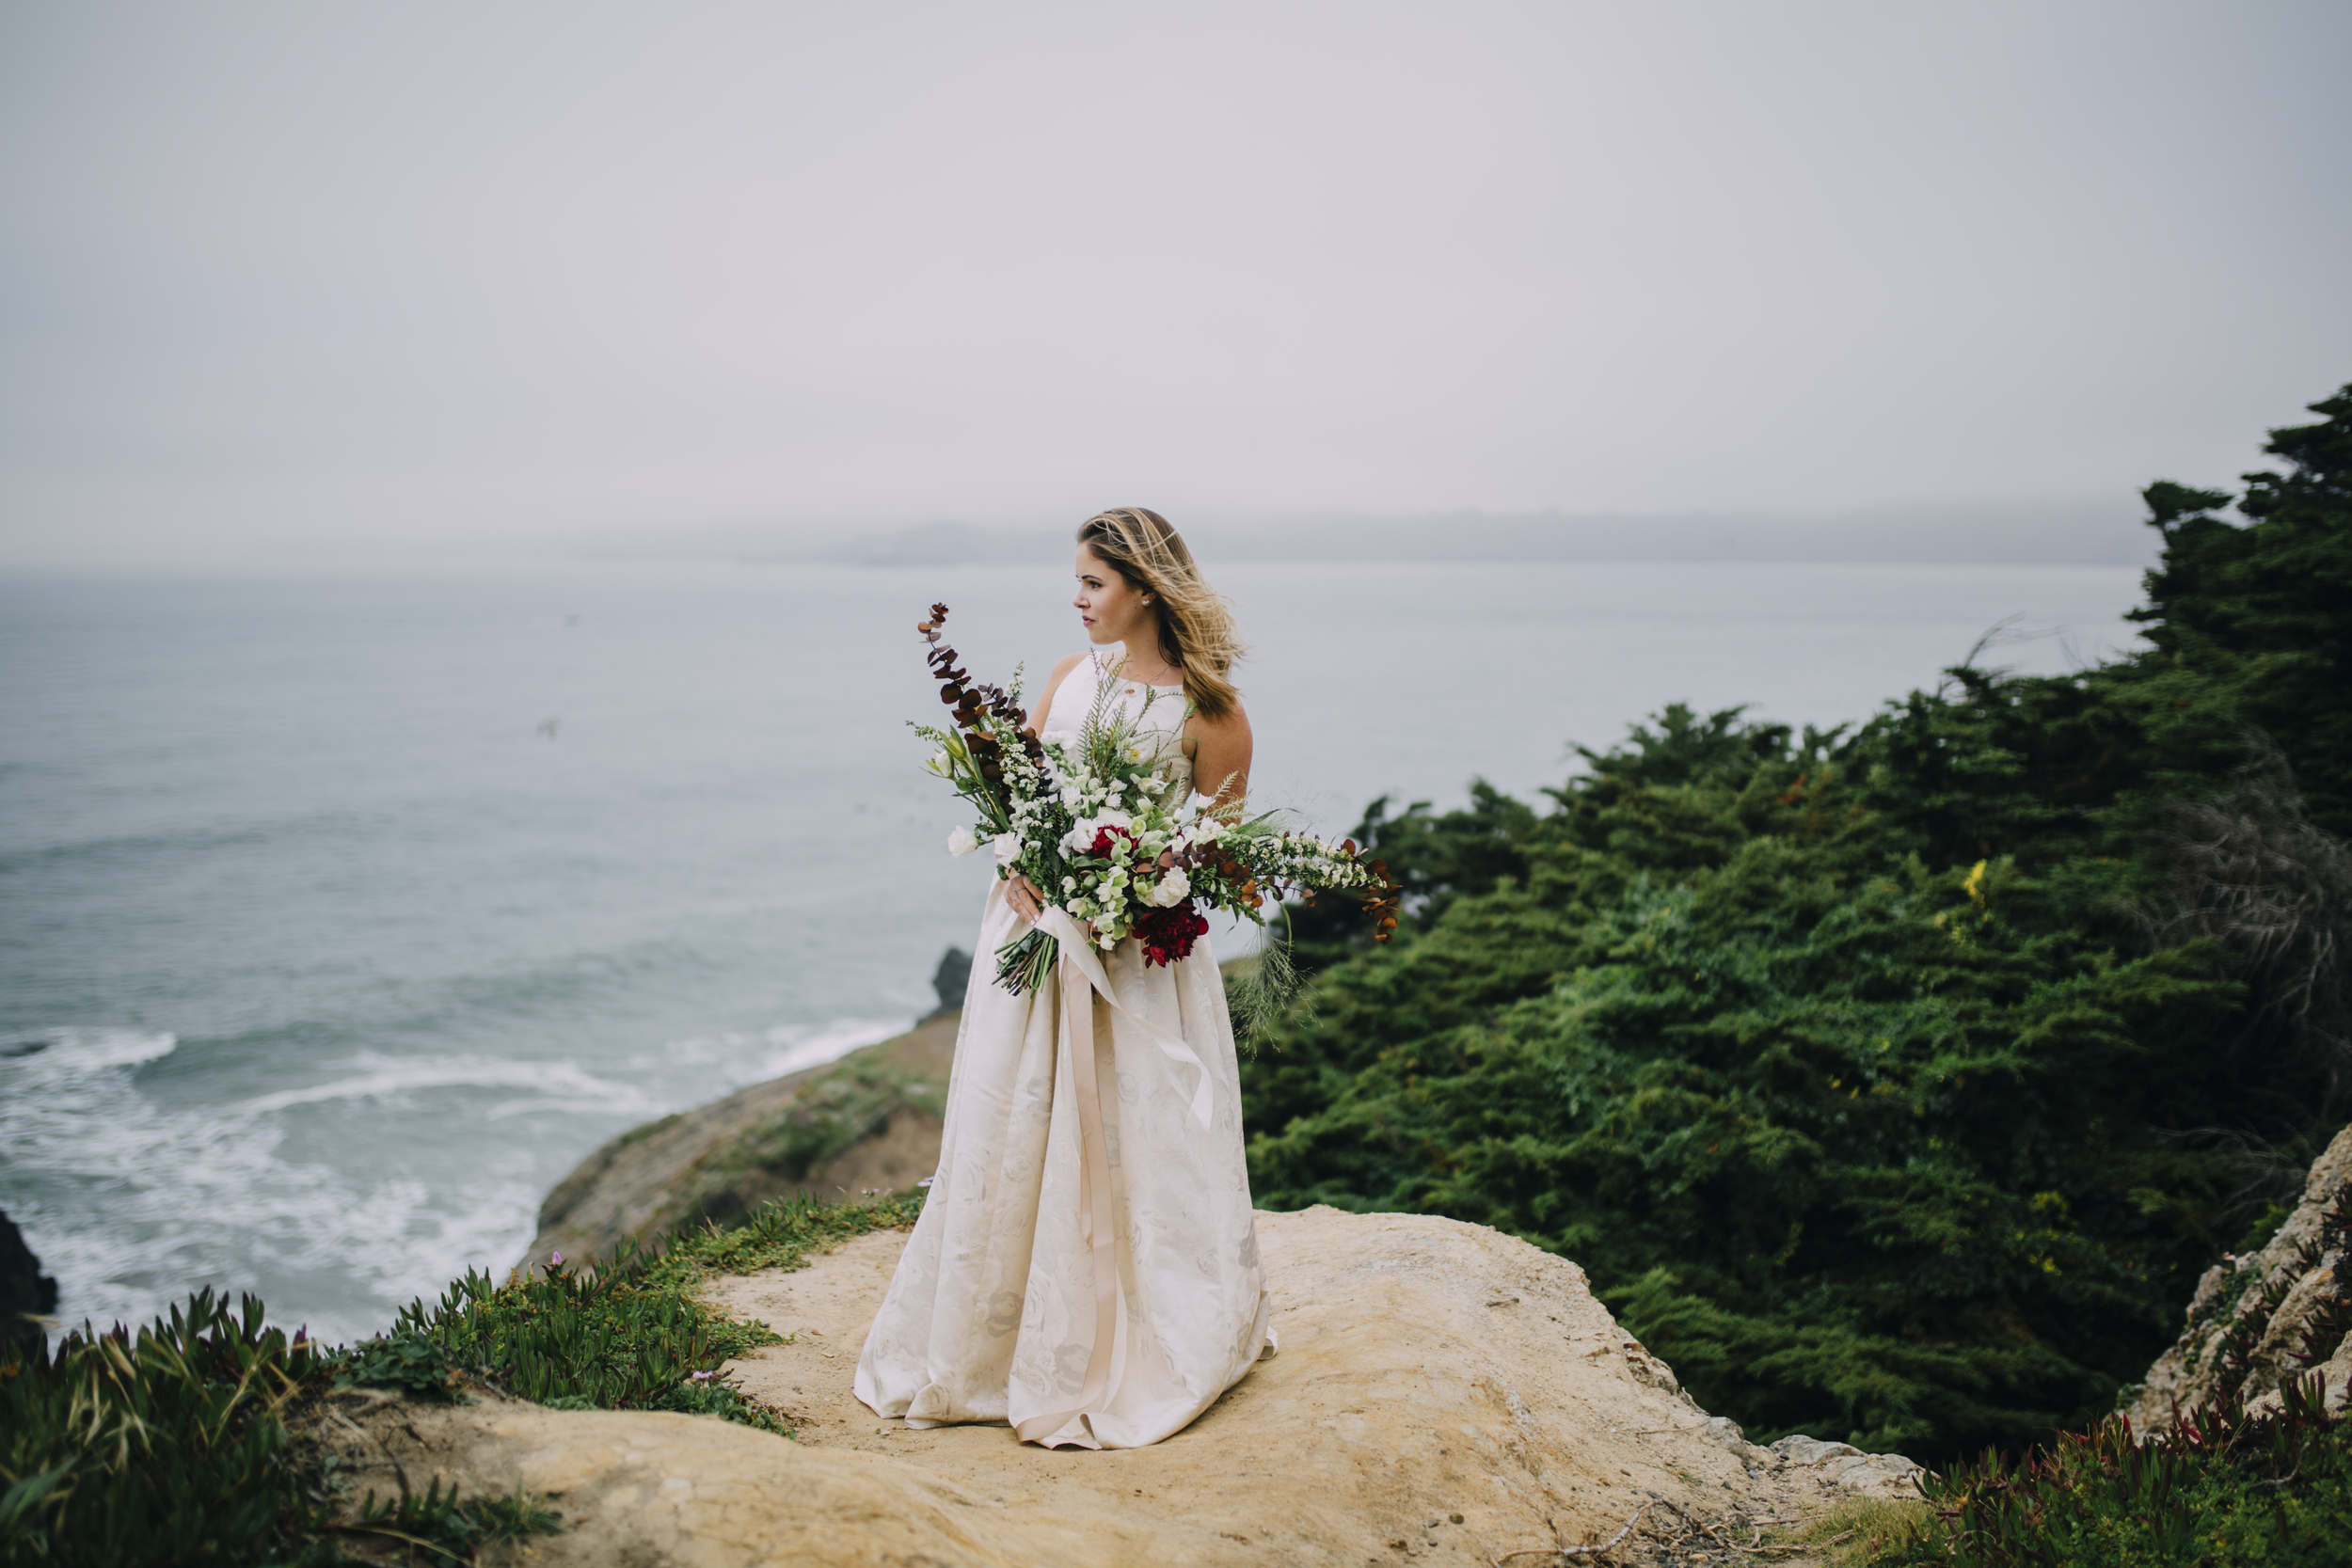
[(1577, 1551), (1794, 1547)]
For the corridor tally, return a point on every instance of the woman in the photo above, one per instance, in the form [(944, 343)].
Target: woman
[(1086, 1264)]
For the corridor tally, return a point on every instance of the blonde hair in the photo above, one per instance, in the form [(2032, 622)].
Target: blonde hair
[(1196, 631)]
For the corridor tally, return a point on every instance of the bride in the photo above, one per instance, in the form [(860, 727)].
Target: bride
[(997, 1312)]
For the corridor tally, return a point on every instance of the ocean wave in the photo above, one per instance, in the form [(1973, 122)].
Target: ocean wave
[(131, 1202), (558, 1084), (142, 851), (741, 1057), (56, 1055)]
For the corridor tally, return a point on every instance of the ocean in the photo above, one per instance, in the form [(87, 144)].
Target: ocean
[(340, 914)]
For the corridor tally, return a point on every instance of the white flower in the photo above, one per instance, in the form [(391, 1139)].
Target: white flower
[(1208, 830), (1106, 942), (937, 763), (1116, 819), (1008, 848), (960, 842), (1173, 889)]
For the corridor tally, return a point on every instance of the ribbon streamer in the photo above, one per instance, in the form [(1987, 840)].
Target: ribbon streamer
[(1082, 980), (1078, 948)]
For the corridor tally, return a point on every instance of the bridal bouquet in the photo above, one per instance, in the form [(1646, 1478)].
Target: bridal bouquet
[(1101, 824)]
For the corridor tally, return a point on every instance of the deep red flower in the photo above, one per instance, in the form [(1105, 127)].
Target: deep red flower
[(1101, 848), (1167, 935)]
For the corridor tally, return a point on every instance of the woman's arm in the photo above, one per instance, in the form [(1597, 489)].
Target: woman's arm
[(1220, 759), (1045, 698)]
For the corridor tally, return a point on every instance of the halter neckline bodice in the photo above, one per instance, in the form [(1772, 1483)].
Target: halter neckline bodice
[(1164, 709)]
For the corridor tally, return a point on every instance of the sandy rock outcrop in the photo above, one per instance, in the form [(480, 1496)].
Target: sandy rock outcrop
[(2271, 1317), (1882, 1475), (1443, 1392), (869, 1121)]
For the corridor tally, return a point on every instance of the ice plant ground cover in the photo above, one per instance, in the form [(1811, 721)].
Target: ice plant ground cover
[(1100, 823), (183, 1440)]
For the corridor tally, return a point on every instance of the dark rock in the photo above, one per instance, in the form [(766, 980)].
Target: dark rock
[(23, 1288), (953, 978)]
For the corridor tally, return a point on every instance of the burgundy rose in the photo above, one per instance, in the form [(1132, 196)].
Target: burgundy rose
[(1167, 934)]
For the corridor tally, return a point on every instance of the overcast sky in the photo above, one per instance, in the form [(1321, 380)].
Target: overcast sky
[(306, 276)]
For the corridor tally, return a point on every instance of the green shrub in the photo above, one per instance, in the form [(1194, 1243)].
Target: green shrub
[(170, 1446), (625, 1336), (446, 1524), (165, 1446), (1894, 1081), (2228, 1488)]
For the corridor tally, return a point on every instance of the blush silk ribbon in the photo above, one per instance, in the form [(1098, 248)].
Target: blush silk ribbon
[(1082, 981)]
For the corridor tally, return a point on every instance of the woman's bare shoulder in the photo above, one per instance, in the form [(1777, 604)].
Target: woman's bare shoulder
[(1234, 720), (1053, 684), (1060, 673)]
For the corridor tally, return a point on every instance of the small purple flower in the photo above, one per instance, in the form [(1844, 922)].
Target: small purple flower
[(555, 1259), (700, 1377)]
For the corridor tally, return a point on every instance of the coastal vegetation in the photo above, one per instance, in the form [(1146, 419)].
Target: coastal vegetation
[(183, 1441), (1893, 1082), (2228, 1488)]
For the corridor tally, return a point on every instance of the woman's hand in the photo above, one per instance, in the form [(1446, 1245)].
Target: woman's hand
[(1023, 895)]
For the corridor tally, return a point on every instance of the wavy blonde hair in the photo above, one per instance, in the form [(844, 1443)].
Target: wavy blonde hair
[(1196, 631)]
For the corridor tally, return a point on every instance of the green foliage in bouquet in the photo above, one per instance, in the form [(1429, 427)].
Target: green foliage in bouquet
[(1892, 1082), (1102, 824)]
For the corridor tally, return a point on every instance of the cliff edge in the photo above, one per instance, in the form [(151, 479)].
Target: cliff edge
[(869, 1121), (1444, 1392), (2270, 1316)]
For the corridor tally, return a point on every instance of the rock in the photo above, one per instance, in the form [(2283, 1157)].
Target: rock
[(2282, 1313), (1724, 1432), (26, 1295), (869, 1121), (1879, 1475), (952, 978), (1442, 1391)]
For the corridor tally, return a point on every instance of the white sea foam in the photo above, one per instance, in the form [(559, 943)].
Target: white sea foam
[(131, 1204), (741, 1057), (50, 1056), (557, 1084)]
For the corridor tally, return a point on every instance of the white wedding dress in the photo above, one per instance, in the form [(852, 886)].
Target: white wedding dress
[(995, 1313)]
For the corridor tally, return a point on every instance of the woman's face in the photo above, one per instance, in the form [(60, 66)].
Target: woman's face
[(1112, 609)]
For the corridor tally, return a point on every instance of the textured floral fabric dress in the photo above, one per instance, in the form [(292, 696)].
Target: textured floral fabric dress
[(995, 1313)]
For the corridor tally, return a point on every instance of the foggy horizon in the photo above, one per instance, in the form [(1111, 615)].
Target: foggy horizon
[(280, 285)]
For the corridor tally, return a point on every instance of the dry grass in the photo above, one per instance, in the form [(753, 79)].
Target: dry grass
[(1858, 1530)]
